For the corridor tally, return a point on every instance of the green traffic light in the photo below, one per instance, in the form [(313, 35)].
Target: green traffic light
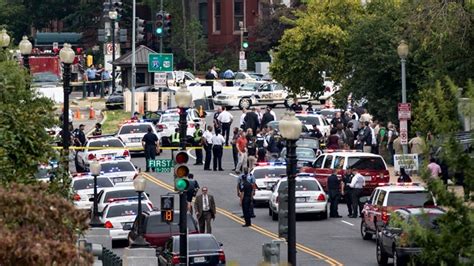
[(159, 31), (245, 45), (182, 184)]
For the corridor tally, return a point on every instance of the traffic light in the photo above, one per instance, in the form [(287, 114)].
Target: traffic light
[(181, 171), (140, 33), (245, 40), (167, 23), (283, 214), (159, 23), (167, 208), (117, 6)]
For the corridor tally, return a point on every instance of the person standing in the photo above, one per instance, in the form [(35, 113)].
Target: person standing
[(335, 186), (98, 130), (404, 177), (242, 152), (242, 119), (225, 119), (235, 151), (175, 138), (333, 140), (205, 211), (251, 151), (217, 150), (191, 192), (309, 109), (150, 142), (365, 137), (207, 144), (337, 119), (434, 168), (267, 117), (216, 122), (79, 139), (296, 106), (349, 135), (357, 183), (391, 136), (246, 198), (251, 121), (261, 145), (211, 75), (91, 74), (348, 190), (417, 144), (373, 138), (197, 142)]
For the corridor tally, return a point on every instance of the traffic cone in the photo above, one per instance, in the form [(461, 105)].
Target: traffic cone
[(91, 113), (77, 114)]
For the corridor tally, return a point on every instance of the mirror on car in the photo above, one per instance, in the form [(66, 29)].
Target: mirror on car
[(127, 227), (394, 230), (148, 194), (364, 199)]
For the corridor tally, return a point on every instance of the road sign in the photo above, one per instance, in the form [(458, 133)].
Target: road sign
[(167, 208), (403, 132), (404, 111), (242, 65), (55, 45), (242, 55), (160, 62), (407, 161), (160, 79), (109, 48), (161, 165)]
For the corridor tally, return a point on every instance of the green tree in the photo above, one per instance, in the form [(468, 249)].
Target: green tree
[(197, 45)]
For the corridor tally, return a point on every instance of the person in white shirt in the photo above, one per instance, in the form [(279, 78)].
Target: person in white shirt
[(242, 117), (357, 184), (225, 119), (207, 144), (217, 150), (375, 146)]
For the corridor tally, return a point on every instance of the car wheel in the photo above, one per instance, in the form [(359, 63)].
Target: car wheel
[(382, 256), (274, 216), (289, 102), (228, 108), (324, 215), (245, 103), (363, 231), (397, 259)]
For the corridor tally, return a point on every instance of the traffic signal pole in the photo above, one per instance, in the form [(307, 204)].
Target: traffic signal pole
[(134, 67), (183, 205), (161, 36)]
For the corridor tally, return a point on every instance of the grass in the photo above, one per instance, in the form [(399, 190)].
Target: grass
[(114, 118)]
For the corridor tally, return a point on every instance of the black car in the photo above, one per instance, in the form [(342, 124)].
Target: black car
[(115, 101), (392, 242), (203, 249), (304, 155)]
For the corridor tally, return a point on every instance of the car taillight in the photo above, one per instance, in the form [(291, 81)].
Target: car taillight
[(221, 257), (126, 153), (108, 224), (321, 197), (91, 156), (175, 259), (385, 216), (76, 197)]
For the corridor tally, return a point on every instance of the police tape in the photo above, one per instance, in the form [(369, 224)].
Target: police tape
[(134, 148), (80, 83)]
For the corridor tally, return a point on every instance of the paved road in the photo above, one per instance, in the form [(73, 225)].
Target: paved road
[(320, 242)]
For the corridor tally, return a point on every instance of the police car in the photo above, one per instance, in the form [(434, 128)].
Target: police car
[(118, 170), (169, 122), (249, 94), (128, 193), (83, 188), (310, 197), (309, 119), (132, 132), (266, 176), (101, 148), (120, 213)]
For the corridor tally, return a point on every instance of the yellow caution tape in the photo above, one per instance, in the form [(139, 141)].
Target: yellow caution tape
[(131, 149)]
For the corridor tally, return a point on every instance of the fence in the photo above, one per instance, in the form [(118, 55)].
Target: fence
[(109, 258)]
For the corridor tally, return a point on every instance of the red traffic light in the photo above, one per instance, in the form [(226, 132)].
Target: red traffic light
[(181, 157), (168, 16)]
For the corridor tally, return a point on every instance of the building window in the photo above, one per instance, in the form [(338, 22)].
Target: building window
[(217, 15), (238, 13), (203, 17)]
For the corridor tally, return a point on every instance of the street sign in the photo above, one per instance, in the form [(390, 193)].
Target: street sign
[(407, 161), (242, 55), (403, 132), (161, 165), (109, 49), (404, 111), (160, 62), (160, 80), (55, 45), (242, 64)]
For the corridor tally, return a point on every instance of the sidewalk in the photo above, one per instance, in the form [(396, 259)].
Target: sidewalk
[(82, 113)]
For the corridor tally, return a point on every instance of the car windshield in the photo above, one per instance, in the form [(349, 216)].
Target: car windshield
[(200, 243), (248, 87), (410, 198), (328, 114), (426, 220), (129, 193), (301, 185), (125, 210), (273, 125), (156, 226), (124, 166), (269, 172), (133, 129), (106, 143), (88, 183), (169, 118), (366, 163), (305, 153), (310, 143), (309, 120), (152, 115), (45, 77)]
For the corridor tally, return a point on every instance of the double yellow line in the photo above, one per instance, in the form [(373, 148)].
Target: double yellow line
[(254, 227)]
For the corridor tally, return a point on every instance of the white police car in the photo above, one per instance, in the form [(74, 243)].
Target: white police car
[(83, 188), (101, 148), (120, 213), (266, 176), (309, 119), (118, 170), (132, 132), (109, 195), (169, 122)]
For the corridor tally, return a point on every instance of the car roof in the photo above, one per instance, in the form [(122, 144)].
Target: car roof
[(197, 236), (137, 123), (115, 161), (300, 178), (119, 188), (103, 139), (395, 188), (352, 154)]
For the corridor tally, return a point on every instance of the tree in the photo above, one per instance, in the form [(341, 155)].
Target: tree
[(197, 48)]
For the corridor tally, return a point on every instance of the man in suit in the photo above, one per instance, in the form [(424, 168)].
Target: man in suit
[(251, 121), (205, 208)]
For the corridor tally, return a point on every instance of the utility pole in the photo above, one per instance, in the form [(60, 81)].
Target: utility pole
[(134, 67), (163, 34)]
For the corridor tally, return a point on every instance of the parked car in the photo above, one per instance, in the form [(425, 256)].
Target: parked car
[(115, 100), (305, 156), (117, 214)]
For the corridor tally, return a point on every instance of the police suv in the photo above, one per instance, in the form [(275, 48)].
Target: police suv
[(132, 132)]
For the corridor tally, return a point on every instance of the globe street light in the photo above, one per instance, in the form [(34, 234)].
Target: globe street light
[(25, 50), (113, 16), (139, 183), (290, 129), (402, 51), (66, 54), (4, 39), (95, 169)]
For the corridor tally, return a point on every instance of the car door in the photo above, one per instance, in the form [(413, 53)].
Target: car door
[(326, 171), (376, 212), (279, 93), (266, 94), (369, 207)]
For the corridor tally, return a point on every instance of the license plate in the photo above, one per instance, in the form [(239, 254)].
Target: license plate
[(368, 178), (300, 200), (199, 259), (135, 139)]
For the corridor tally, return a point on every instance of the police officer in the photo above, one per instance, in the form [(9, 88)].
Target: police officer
[(217, 150), (80, 140), (261, 144), (175, 138), (150, 142), (246, 197), (197, 141), (296, 106), (335, 187), (348, 191), (97, 130)]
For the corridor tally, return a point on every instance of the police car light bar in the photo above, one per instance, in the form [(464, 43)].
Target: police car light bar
[(81, 174), (124, 199), (270, 163), (338, 150)]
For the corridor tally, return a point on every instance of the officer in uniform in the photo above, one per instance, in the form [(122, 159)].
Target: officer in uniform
[(260, 140), (246, 197), (348, 191), (150, 142), (197, 141), (296, 107), (175, 138), (334, 191)]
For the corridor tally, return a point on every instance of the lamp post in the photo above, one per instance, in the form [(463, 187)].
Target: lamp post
[(25, 50), (66, 54), (113, 16), (290, 129), (139, 183), (95, 169), (402, 51), (4, 41), (183, 100)]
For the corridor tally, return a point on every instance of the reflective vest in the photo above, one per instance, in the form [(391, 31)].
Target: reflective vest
[(197, 135), (175, 138)]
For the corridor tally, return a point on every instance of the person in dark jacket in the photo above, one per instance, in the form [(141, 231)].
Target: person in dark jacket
[(335, 188), (404, 177), (251, 121), (348, 191), (267, 117)]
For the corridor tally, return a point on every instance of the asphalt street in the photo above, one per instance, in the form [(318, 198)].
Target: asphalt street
[(335, 241)]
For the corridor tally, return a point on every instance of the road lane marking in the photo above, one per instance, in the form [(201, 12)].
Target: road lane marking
[(234, 175), (254, 227), (347, 223), (188, 151)]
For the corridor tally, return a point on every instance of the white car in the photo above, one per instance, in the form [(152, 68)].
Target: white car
[(109, 195), (117, 214), (118, 170), (247, 77), (330, 113), (102, 148), (266, 176), (310, 119), (329, 90), (83, 189), (310, 197), (169, 122), (132, 132)]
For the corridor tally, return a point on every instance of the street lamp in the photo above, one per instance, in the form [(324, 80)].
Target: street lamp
[(95, 169), (402, 51), (139, 183), (113, 16), (25, 50), (66, 54), (183, 99), (290, 130), (4, 39)]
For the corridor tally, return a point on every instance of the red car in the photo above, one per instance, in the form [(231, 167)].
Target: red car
[(371, 166), (157, 232)]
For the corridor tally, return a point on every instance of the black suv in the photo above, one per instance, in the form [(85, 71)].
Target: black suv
[(392, 242)]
